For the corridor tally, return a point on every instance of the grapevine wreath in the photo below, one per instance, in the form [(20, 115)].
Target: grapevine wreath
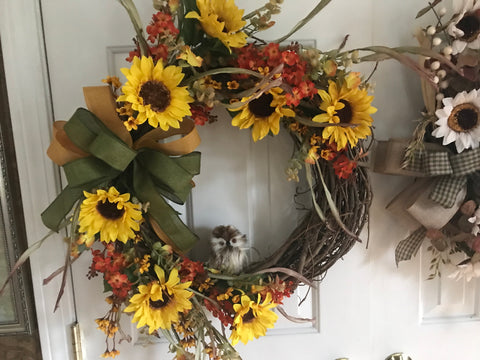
[(123, 169)]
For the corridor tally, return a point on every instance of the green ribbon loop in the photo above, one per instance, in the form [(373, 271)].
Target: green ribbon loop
[(54, 214), (87, 132), (452, 170), (172, 176), (155, 175), (161, 212), (87, 170)]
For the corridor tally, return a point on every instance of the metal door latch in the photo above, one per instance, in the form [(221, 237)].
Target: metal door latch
[(76, 341), (398, 356)]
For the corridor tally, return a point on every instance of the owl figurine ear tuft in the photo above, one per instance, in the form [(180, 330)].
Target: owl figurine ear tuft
[(228, 250)]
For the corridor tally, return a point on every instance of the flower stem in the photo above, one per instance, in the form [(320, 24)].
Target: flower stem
[(225, 70), (137, 25)]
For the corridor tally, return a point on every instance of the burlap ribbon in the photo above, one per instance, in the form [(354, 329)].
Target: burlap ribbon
[(94, 148), (448, 170), (431, 202)]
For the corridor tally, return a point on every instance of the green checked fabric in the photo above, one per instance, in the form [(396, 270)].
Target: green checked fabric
[(446, 189), (451, 169), (409, 246), (466, 162)]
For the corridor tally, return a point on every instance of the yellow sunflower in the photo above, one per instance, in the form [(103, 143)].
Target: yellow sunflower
[(110, 214), (153, 92), (345, 106), (159, 303), (221, 19), (263, 114), (252, 319)]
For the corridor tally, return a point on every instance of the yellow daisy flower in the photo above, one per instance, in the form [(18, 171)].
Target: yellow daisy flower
[(158, 304), (263, 114), (221, 19), (153, 92), (252, 319), (345, 106), (110, 214)]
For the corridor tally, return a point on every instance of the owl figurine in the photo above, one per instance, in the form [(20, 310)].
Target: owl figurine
[(228, 248)]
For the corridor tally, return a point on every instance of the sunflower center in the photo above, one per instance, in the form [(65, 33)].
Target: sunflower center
[(109, 210), (470, 25), (155, 94), (464, 117), (158, 304), (346, 114), (248, 317), (261, 107)]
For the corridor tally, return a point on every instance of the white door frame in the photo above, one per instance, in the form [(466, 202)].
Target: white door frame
[(30, 108)]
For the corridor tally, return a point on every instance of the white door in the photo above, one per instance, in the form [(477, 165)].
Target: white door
[(365, 308)]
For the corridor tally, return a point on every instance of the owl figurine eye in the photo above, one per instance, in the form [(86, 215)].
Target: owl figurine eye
[(228, 250)]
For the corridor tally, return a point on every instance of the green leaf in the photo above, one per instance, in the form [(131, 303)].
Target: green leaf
[(24, 257), (191, 31), (426, 9), (130, 272), (333, 207), (106, 286)]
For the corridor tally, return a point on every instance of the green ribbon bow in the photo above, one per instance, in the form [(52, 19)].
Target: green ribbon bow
[(451, 169), (154, 176)]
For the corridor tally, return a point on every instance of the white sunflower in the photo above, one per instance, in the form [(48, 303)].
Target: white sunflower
[(465, 25), (459, 120)]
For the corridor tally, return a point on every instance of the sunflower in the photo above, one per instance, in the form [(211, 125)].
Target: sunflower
[(110, 214), (465, 26), (159, 303), (153, 92), (252, 319), (221, 19), (349, 106), (263, 113), (459, 120)]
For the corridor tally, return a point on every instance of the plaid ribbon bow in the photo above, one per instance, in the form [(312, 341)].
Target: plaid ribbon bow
[(451, 170), (409, 246)]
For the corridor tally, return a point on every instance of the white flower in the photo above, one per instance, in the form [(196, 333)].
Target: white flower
[(475, 220), (459, 120), (465, 25), (468, 271)]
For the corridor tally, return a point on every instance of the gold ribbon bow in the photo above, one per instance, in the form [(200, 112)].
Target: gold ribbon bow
[(101, 103)]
